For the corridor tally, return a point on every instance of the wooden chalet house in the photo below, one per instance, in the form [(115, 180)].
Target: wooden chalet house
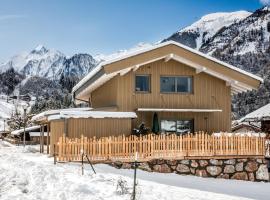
[(188, 90)]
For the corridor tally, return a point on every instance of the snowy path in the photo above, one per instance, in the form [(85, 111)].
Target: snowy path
[(230, 187), (26, 175)]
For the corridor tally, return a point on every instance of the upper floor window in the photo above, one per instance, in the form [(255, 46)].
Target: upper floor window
[(176, 84), (142, 83)]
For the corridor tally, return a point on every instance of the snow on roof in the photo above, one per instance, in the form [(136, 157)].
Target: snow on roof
[(143, 50), (91, 114), (41, 116), (36, 134), (262, 113), (177, 110), (19, 131)]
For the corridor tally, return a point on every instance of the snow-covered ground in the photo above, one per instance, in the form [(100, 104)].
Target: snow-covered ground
[(26, 174)]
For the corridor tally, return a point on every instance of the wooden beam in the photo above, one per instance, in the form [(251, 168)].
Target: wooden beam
[(40, 130), (136, 68), (202, 69), (232, 82), (169, 57), (48, 140), (42, 139)]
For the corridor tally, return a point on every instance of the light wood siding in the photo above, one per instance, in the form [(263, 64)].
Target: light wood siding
[(98, 127), (56, 131), (90, 127), (105, 96), (208, 93)]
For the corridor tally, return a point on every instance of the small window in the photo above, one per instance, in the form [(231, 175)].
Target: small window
[(181, 84), (178, 126), (142, 83)]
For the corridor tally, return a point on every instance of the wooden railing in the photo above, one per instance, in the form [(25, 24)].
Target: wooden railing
[(123, 148)]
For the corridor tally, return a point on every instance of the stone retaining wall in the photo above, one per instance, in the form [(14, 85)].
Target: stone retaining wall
[(250, 169)]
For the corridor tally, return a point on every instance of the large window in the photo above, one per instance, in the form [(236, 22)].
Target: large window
[(178, 126), (142, 83), (176, 84)]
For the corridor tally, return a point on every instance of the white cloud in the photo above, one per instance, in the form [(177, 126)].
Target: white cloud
[(8, 17), (265, 2)]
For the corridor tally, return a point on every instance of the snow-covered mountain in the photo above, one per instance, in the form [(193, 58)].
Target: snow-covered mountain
[(49, 63), (241, 39), (202, 30)]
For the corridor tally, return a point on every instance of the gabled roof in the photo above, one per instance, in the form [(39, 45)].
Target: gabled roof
[(238, 79), (262, 113)]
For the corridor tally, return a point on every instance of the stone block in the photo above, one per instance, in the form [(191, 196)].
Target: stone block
[(181, 168), (203, 163), (239, 167), (229, 169), (214, 170), (185, 162), (240, 176), (251, 176), (201, 173), (216, 162), (230, 162), (251, 166), (262, 173), (194, 163)]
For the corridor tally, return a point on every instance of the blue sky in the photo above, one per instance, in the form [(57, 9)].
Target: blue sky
[(100, 26)]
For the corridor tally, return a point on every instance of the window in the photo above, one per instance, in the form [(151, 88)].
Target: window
[(142, 83), (178, 126), (176, 84)]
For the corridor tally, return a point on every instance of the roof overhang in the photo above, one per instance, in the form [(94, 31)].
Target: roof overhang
[(43, 116), (239, 80), (202, 110), (92, 114)]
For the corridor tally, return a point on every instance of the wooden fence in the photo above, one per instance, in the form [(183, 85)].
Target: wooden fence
[(123, 148)]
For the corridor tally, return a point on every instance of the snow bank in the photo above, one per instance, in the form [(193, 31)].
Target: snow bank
[(33, 176)]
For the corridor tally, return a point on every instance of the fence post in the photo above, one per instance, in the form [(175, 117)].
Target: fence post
[(54, 154)]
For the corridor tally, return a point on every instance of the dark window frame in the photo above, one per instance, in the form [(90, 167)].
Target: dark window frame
[(175, 121), (175, 84), (149, 82)]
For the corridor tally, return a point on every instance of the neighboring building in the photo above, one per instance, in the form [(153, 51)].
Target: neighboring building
[(32, 135), (244, 127), (189, 91), (74, 122), (261, 115)]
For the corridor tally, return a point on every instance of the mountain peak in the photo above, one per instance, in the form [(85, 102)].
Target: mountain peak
[(40, 49), (206, 27), (266, 8)]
